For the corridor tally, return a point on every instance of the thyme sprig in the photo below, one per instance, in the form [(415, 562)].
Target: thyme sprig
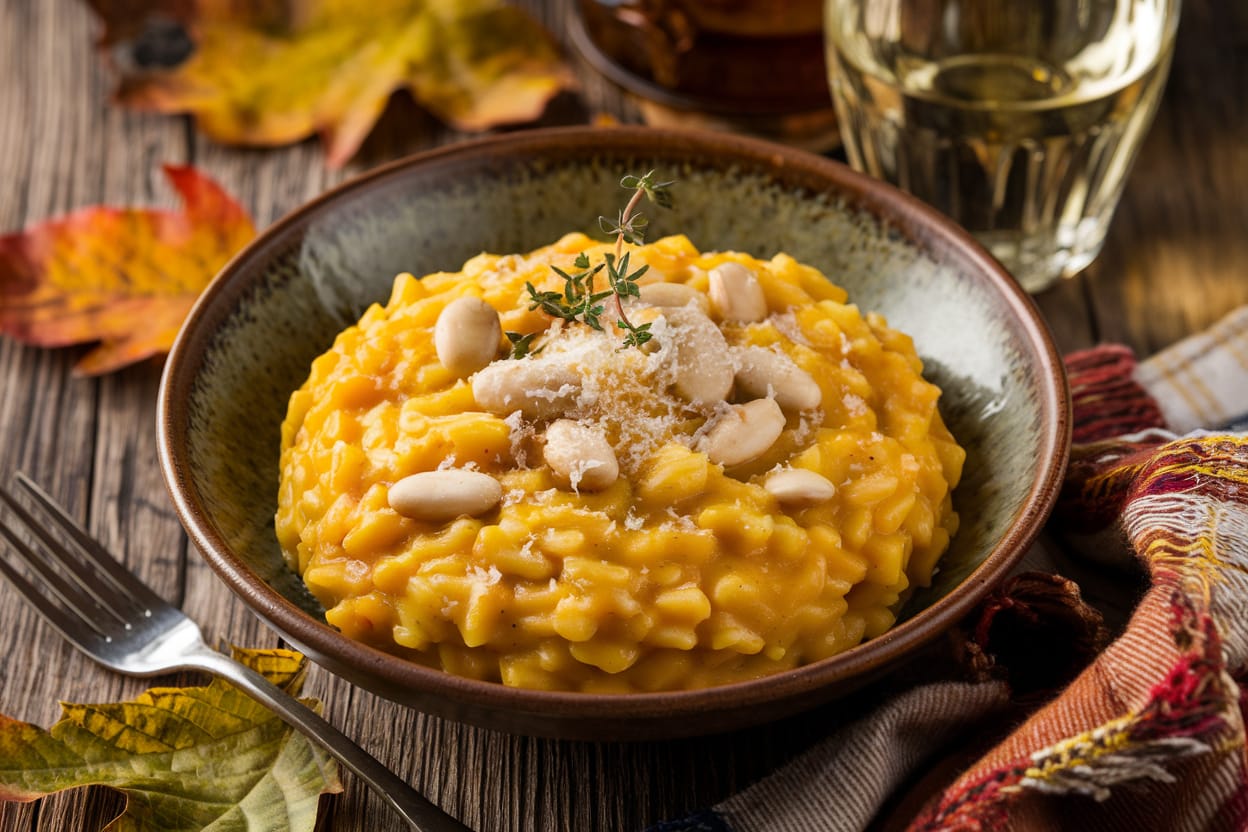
[(624, 285), (580, 301), (631, 225)]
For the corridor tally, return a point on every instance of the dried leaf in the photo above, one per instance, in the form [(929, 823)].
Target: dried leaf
[(125, 277), (186, 758), (270, 73)]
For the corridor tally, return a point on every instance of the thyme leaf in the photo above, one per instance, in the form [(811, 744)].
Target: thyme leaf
[(521, 345)]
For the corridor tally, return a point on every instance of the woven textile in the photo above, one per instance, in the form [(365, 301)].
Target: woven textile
[(1150, 735), (1202, 382)]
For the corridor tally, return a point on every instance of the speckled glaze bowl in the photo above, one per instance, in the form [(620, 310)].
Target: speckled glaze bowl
[(249, 341)]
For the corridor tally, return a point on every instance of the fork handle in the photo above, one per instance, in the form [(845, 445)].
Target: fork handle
[(415, 808)]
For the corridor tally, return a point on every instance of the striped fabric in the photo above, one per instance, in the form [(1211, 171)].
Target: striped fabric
[(1151, 734), (1202, 382), (876, 755)]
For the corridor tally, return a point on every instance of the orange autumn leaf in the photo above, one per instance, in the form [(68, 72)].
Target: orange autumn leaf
[(125, 277), (271, 73)]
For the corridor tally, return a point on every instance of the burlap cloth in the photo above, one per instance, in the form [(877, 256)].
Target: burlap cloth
[(1143, 732)]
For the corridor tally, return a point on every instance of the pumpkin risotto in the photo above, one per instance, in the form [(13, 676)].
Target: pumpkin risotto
[(753, 489)]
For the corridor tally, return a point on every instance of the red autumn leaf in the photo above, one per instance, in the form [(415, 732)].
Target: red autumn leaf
[(271, 73), (125, 277)]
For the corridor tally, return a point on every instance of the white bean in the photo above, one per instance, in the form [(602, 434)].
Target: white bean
[(438, 496), (536, 387), (744, 433), (703, 368), (580, 456), (669, 295), (736, 294), (800, 487), (467, 334), (761, 373)]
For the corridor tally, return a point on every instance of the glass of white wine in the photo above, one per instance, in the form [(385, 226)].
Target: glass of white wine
[(1018, 118)]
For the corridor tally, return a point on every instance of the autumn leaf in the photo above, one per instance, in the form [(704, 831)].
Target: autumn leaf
[(185, 758), (271, 73), (125, 277)]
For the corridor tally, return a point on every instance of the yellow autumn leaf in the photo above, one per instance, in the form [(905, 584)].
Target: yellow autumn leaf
[(187, 759), (270, 73)]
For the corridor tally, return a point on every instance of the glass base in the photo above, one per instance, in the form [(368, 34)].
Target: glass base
[(1039, 259)]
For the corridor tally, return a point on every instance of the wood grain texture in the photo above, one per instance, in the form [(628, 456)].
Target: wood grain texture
[(72, 151), (1176, 259)]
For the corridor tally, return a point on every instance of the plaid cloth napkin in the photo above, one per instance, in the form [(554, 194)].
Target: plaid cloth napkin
[(1149, 731)]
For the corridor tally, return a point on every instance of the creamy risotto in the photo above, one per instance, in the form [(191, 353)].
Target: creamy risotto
[(754, 489)]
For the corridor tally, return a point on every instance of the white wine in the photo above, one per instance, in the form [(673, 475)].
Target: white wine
[(1028, 148)]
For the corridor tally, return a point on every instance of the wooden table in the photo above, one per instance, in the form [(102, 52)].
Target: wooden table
[(1176, 260)]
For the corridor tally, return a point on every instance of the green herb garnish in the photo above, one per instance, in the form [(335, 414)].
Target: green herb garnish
[(521, 345), (580, 302), (624, 285)]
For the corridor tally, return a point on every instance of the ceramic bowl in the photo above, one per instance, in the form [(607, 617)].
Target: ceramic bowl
[(250, 339)]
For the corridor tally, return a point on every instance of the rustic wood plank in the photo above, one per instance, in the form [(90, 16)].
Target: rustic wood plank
[(130, 511), (64, 149), (1065, 308)]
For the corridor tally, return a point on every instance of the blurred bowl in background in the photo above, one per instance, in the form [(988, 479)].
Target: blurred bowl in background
[(754, 67)]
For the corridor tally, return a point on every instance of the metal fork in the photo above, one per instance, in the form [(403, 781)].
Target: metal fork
[(113, 617)]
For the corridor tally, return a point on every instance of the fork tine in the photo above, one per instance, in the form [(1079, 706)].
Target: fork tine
[(131, 589), (98, 616), (73, 628), (72, 568)]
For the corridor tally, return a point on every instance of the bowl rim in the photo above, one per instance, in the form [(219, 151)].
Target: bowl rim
[(932, 232)]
